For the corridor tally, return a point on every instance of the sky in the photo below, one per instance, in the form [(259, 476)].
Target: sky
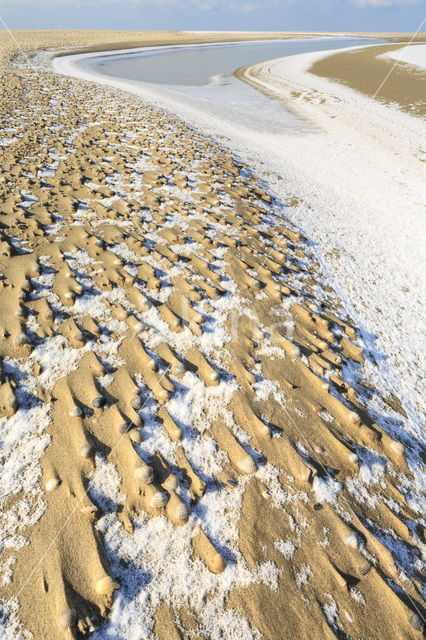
[(269, 15)]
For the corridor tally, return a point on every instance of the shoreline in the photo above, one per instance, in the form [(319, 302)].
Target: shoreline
[(293, 92), (74, 57), (200, 38), (324, 65), (188, 39), (214, 126), (365, 70), (187, 428)]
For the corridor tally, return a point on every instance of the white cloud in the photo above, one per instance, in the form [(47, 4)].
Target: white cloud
[(384, 3)]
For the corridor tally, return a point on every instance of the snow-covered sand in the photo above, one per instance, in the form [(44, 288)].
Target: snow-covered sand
[(138, 174), (366, 164), (355, 168), (414, 54)]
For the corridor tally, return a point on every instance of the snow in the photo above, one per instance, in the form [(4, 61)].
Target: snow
[(156, 563), (287, 548), (303, 575), (357, 595), (10, 626), (331, 612), (355, 168), (5, 142), (413, 54), (326, 490)]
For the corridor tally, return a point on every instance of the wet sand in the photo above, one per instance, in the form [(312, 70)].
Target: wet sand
[(171, 358)]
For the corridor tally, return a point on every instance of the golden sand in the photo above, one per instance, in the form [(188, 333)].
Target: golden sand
[(65, 279)]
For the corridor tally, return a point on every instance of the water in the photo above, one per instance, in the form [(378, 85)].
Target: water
[(200, 65), (198, 80)]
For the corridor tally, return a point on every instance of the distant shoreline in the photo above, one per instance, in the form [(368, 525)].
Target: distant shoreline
[(361, 69), (151, 38)]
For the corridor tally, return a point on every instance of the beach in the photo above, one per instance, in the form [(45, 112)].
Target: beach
[(207, 428), (365, 70)]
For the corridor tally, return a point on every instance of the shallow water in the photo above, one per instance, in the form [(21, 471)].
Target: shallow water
[(197, 65), (200, 78)]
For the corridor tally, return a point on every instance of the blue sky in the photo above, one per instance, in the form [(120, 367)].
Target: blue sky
[(283, 15)]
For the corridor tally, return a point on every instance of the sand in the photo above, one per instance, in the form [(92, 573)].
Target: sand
[(363, 71), (356, 176), (185, 453)]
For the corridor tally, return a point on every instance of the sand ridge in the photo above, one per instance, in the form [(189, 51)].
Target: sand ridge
[(167, 322)]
